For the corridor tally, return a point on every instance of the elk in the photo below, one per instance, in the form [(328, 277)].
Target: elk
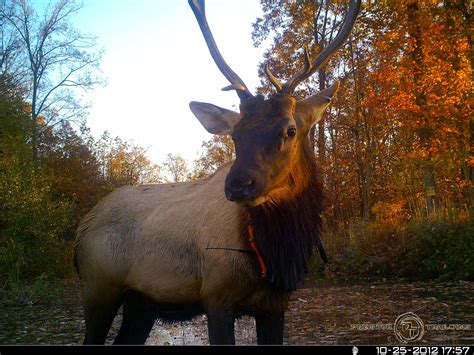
[(235, 243)]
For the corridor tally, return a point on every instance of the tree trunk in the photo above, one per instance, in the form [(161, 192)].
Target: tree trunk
[(424, 132), (363, 160), (320, 41), (34, 132), (460, 7), (321, 134)]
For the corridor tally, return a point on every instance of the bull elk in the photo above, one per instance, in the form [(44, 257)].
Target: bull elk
[(235, 243)]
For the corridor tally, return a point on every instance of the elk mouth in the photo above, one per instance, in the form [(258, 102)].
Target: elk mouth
[(258, 201), (254, 202), (244, 196)]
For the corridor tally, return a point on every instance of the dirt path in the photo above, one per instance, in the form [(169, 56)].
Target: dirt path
[(323, 314)]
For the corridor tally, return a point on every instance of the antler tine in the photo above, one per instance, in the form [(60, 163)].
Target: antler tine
[(304, 73), (237, 84), (312, 66), (273, 79)]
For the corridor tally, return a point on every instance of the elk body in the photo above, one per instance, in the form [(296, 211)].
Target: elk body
[(235, 243)]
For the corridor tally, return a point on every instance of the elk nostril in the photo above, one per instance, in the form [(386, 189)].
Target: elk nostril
[(248, 188), (247, 183), (241, 185), (240, 189)]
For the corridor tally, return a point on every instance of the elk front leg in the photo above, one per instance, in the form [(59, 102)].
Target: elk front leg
[(220, 325), (270, 328)]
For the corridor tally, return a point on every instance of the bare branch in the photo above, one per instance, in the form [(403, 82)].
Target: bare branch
[(61, 84)]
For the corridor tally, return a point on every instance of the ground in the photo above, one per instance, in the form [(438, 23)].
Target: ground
[(324, 313)]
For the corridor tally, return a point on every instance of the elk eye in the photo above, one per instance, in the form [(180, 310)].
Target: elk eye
[(291, 132)]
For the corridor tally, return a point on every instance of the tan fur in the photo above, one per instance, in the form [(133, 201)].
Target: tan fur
[(153, 239), (163, 240)]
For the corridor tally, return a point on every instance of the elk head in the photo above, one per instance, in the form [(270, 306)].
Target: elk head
[(271, 134)]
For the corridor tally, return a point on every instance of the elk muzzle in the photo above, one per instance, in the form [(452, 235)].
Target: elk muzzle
[(240, 190), (243, 187)]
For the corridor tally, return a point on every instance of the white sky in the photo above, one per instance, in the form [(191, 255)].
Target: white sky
[(156, 62)]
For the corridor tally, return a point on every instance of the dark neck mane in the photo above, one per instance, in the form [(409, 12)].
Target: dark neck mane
[(288, 232)]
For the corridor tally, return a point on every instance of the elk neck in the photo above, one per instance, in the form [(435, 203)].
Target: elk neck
[(287, 228)]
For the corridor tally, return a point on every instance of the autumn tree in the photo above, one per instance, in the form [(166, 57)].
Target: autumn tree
[(175, 168), (215, 152), (314, 24), (124, 163), (400, 122), (53, 58), (51, 173), (32, 221), (73, 170), (293, 25), (437, 68)]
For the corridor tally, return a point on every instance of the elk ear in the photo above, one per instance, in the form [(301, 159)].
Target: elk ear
[(314, 106), (215, 119)]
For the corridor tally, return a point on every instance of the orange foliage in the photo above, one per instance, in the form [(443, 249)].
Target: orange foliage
[(406, 100)]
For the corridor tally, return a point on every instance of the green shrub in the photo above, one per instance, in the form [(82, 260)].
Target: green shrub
[(32, 243), (436, 248), (443, 250)]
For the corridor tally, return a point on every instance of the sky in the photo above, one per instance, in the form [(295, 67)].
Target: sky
[(156, 62)]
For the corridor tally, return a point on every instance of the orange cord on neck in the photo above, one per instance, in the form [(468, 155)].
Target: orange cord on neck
[(253, 245)]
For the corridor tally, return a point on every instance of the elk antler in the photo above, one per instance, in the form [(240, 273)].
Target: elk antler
[(310, 67), (235, 82)]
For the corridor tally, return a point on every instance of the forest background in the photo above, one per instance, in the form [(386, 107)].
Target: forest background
[(395, 149)]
